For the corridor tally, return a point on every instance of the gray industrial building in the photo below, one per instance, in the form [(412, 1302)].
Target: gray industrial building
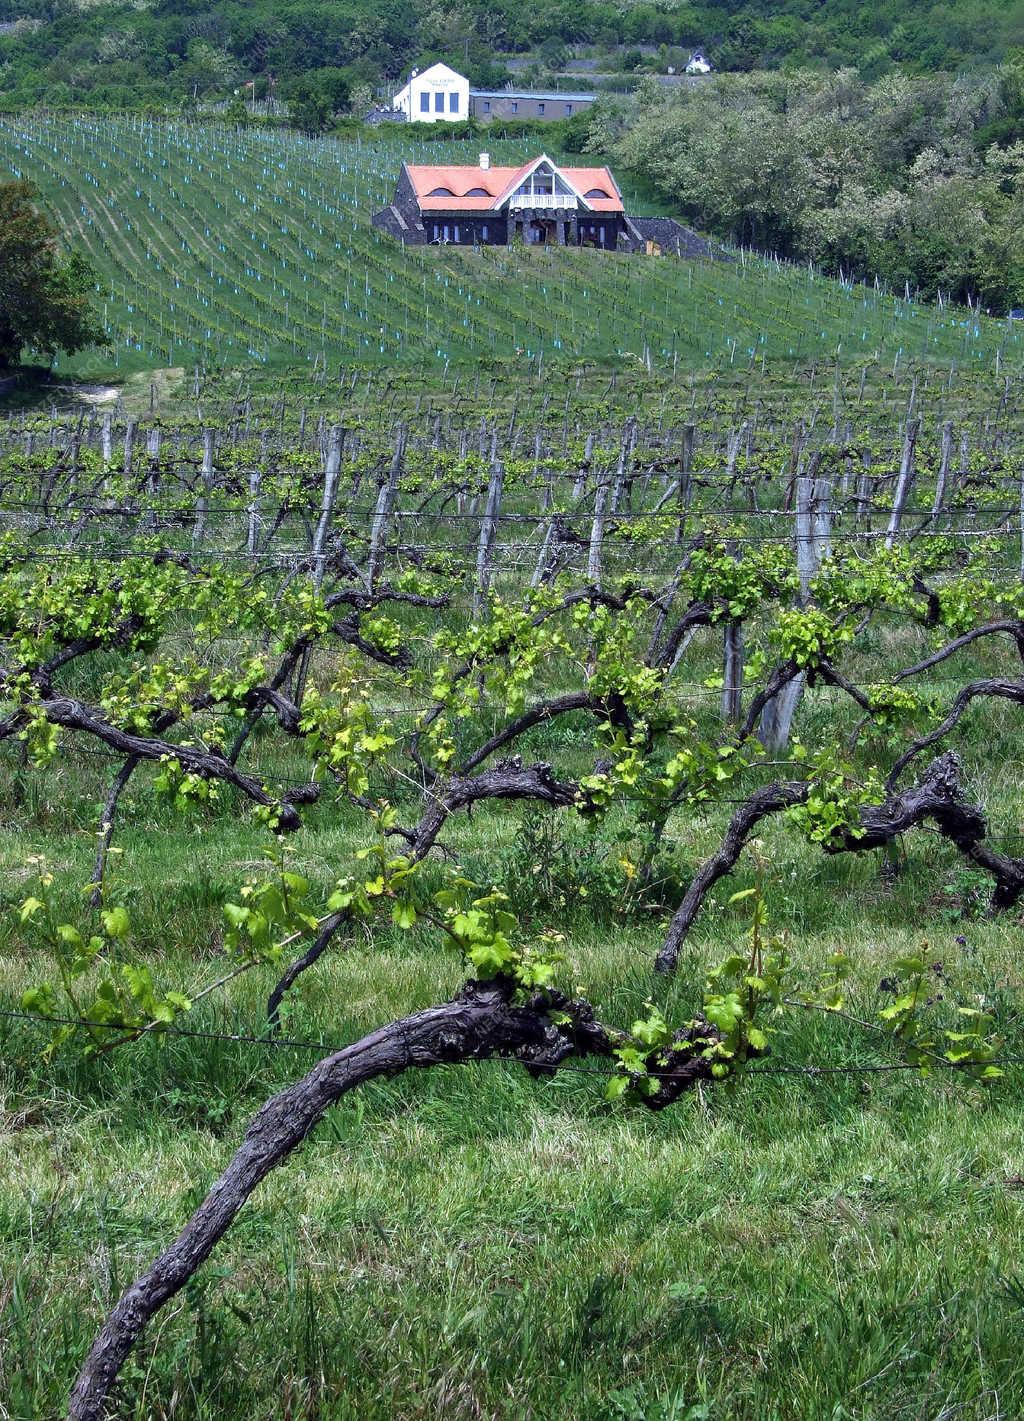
[(526, 103)]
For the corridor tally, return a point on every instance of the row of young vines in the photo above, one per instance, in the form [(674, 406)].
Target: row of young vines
[(645, 622)]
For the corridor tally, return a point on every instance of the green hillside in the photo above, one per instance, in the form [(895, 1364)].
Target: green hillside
[(228, 247), (172, 51)]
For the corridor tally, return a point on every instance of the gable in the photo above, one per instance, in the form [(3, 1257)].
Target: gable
[(440, 72), (543, 180)]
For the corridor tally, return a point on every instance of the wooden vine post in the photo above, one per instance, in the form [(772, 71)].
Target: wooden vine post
[(385, 504), (905, 481), (332, 471), (812, 540), (488, 532), (206, 488)]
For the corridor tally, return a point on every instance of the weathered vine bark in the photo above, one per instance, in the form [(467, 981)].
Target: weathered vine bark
[(1010, 628), (509, 779), (1003, 690), (106, 834), (593, 595), (76, 715), (762, 803), (698, 614), (782, 676), (482, 1022), (301, 964), (479, 1023), (937, 797), (535, 715)]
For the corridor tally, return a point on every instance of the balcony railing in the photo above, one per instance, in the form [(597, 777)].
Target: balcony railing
[(545, 201)]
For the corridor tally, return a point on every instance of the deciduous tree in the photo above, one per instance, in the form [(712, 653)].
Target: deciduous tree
[(44, 296)]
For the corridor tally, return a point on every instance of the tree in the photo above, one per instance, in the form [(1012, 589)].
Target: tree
[(310, 105), (44, 297)]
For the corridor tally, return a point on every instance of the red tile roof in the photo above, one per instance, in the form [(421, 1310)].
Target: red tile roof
[(497, 183)]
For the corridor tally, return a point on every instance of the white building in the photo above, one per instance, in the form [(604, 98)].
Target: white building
[(698, 63), (438, 95)]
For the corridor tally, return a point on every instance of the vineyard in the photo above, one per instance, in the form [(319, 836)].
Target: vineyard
[(512, 897), (220, 248)]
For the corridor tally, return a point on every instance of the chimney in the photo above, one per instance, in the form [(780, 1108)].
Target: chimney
[(485, 161)]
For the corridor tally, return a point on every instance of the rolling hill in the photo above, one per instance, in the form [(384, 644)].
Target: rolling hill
[(223, 247)]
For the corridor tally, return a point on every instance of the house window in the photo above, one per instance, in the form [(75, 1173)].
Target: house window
[(424, 103), (544, 183), (568, 110), (439, 103), (484, 232), (487, 105), (453, 103), (540, 108), (437, 233), (515, 106), (455, 233)]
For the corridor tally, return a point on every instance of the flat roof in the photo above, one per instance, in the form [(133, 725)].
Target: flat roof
[(525, 94)]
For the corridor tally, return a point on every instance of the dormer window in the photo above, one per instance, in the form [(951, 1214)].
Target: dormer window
[(478, 192), (441, 192), (597, 192)]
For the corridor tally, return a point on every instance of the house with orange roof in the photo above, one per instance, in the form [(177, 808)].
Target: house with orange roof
[(539, 202)]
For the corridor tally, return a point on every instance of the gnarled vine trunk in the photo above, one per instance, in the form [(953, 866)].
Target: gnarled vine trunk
[(478, 1023), (938, 797)]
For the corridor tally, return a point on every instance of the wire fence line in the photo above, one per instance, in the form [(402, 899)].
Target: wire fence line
[(332, 1047), (131, 508)]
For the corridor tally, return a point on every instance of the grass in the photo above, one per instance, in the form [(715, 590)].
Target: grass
[(470, 1243), (225, 248)]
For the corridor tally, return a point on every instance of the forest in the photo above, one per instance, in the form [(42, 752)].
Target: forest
[(174, 50), (914, 181)]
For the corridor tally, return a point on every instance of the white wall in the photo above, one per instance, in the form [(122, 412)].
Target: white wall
[(436, 85)]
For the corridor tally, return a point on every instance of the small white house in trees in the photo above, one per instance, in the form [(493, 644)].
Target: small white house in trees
[(437, 95), (699, 63)]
